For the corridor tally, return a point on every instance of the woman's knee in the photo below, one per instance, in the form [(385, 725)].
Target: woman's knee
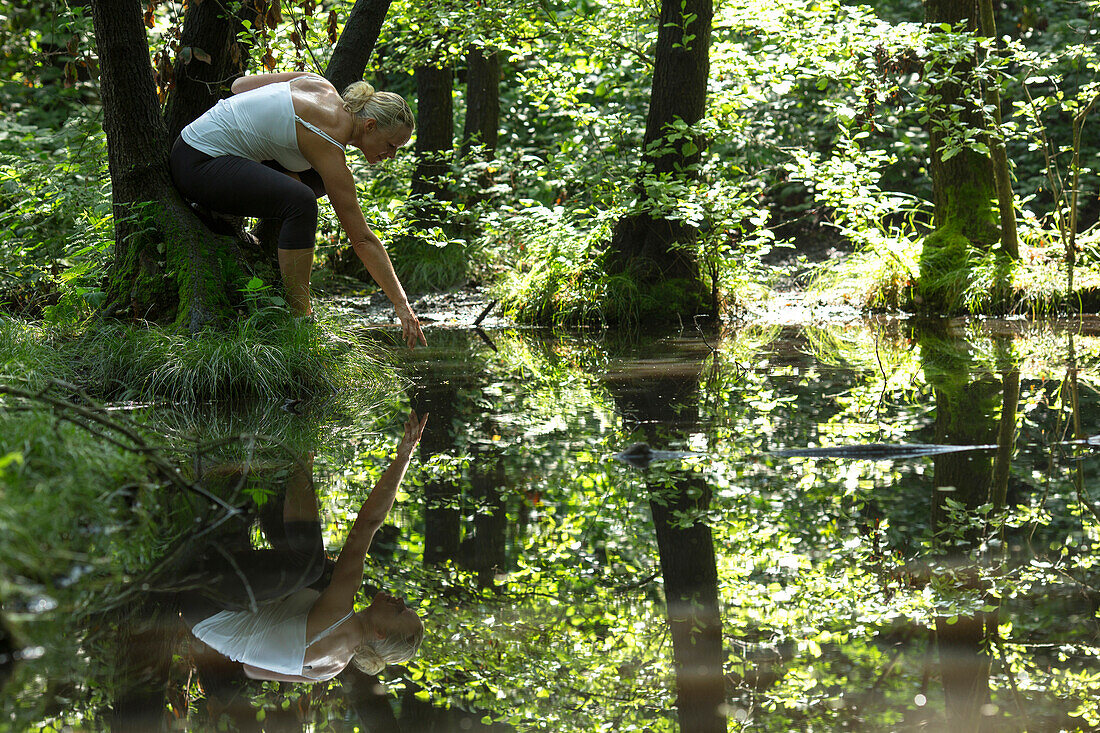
[(299, 218)]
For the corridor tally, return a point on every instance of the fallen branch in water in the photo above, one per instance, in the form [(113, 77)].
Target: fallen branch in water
[(131, 440)]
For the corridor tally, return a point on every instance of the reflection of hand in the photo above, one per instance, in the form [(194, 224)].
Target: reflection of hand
[(414, 428), (410, 327)]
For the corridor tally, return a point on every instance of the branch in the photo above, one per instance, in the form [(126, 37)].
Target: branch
[(96, 414)]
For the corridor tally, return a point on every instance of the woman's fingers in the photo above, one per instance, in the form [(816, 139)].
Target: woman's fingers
[(414, 427), (410, 329)]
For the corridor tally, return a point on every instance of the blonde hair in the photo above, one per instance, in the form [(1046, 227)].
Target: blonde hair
[(371, 657), (389, 110)]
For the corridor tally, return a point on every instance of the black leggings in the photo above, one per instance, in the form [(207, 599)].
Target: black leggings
[(239, 579), (240, 187)]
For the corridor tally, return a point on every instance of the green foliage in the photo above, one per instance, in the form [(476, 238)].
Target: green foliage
[(55, 214), (552, 270), (78, 515)]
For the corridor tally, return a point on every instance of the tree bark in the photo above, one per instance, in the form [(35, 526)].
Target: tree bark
[(482, 99), (963, 184), (651, 246), (434, 141), (1002, 176), (164, 264), (211, 56), (356, 44)]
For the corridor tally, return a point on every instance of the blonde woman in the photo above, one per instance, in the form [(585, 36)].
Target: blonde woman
[(277, 145), (256, 607)]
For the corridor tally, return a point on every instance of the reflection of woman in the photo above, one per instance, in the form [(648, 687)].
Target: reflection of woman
[(301, 126), (255, 606)]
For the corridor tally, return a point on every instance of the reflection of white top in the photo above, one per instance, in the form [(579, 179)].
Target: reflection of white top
[(257, 125), (272, 638)]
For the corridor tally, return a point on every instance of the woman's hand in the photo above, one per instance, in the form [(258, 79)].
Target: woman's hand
[(414, 428), (410, 327)]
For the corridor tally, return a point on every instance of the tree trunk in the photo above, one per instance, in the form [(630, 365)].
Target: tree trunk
[(963, 184), (653, 246), (210, 58), (482, 99), (356, 44), (690, 575), (1002, 176), (434, 141), (165, 264), (479, 133)]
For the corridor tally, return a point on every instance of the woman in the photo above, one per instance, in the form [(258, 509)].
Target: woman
[(255, 606), (298, 121)]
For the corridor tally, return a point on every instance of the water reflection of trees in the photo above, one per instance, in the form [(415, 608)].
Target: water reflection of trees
[(664, 409), (563, 588)]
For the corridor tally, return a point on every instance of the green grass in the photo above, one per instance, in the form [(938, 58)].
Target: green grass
[(265, 356), (884, 277)]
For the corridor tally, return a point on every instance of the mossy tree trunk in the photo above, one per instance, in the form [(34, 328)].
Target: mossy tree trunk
[(653, 246), (963, 184), (165, 266)]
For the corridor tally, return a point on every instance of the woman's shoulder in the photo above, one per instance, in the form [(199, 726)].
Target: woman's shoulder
[(310, 80)]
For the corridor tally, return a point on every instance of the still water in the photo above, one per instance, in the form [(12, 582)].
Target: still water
[(570, 579)]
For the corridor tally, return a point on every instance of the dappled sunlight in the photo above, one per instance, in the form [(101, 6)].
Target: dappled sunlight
[(603, 536)]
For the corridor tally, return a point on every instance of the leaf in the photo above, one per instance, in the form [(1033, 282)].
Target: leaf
[(689, 148), (201, 55), (185, 55), (332, 20)]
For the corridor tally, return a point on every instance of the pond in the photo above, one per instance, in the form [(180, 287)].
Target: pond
[(936, 573)]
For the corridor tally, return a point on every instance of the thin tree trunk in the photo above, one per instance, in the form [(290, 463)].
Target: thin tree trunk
[(356, 44)]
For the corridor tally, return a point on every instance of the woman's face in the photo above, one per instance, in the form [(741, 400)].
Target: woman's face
[(390, 615), (378, 144)]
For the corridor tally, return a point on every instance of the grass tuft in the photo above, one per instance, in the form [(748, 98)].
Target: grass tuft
[(265, 356)]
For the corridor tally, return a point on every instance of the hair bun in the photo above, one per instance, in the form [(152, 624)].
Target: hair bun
[(389, 110), (359, 90)]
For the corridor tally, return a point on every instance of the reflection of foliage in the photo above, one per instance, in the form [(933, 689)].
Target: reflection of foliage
[(829, 592)]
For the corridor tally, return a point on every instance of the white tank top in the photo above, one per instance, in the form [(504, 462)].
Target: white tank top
[(257, 125), (273, 637)]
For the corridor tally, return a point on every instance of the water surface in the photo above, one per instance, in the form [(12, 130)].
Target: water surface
[(716, 584)]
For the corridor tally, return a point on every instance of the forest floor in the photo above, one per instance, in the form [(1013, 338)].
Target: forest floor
[(791, 303)]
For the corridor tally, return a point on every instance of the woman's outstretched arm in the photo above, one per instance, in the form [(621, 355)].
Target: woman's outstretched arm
[(348, 573)]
